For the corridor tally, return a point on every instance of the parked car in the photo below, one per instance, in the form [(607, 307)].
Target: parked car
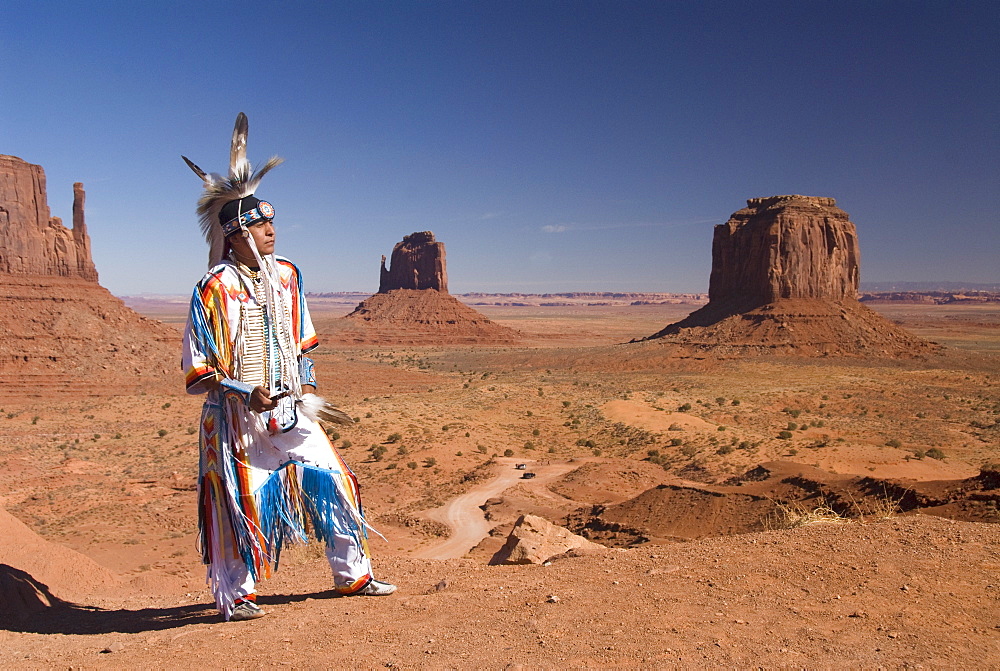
[(528, 476), (521, 467)]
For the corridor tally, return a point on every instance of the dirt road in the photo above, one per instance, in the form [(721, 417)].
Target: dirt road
[(464, 516)]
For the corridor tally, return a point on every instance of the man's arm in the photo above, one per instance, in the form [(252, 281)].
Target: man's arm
[(260, 399)]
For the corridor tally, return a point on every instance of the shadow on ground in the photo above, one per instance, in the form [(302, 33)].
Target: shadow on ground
[(69, 618)]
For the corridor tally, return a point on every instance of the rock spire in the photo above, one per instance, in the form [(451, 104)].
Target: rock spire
[(32, 242)]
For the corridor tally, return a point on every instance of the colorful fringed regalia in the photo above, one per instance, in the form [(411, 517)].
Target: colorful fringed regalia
[(271, 477)]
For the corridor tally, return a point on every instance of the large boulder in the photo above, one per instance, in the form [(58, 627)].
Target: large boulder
[(535, 540)]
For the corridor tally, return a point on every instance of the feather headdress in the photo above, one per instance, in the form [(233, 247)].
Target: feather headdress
[(242, 181)]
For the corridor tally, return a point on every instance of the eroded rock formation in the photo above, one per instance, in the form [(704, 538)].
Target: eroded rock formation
[(32, 242), (417, 262), (60, 330), (785, 274), (413, 305), (784, 247)]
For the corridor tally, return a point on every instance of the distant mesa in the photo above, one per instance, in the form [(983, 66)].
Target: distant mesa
[(60, 330), (417, 262), (413, 304), (785, 273)]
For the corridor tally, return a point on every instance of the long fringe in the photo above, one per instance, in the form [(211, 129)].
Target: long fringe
[(298, 501)]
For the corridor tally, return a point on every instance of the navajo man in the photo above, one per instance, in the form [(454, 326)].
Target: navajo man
[(268, 471)]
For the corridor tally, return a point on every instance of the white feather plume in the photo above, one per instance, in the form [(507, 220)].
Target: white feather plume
[(242, 181), (316, 408)]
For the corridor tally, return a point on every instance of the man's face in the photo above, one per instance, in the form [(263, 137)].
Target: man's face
[(263, 236)]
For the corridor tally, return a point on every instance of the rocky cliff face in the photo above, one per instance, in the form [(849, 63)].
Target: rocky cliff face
[(784, 280), (784, 247), (417, 262), (32, 242)]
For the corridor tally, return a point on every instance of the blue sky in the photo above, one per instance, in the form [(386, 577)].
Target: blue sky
[(552, 146)]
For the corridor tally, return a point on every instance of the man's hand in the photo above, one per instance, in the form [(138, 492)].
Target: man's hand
[(261, 401)]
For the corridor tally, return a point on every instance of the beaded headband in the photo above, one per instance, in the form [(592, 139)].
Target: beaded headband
[(262, 212)]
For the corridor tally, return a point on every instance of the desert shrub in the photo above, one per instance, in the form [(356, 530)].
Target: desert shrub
[(528, 445), (430, 461), (792, 426), (161, 433), (721, 428), (481, 449), (394, 437), (720, 400), (34, 420), (785, 435), (653, 453), (529, 413), (165, 406), (468, 435), (725, 449), (346, 444), (735, 401), (378, 451), (411, 464), (535, 432), (893, 442), (191, 430), (333, 435), (390, 465), (689, 450), (565, 404), (459, 453), (676, 441), (935, 453), (368, 415), (401, 450), (684, 408), (597, 452), (508, 452)]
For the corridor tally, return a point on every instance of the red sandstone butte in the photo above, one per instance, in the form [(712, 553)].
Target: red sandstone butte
[(61, 331), (413, 304), (32, 242), (785, 274), (417, 262)]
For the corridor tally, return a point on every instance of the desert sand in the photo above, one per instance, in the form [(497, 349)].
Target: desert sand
[(769, 511)]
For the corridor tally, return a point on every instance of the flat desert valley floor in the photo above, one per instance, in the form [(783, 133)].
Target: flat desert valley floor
[(698, 473)]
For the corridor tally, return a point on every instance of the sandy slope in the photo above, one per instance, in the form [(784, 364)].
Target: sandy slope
[(113, 478), (901, 593)]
